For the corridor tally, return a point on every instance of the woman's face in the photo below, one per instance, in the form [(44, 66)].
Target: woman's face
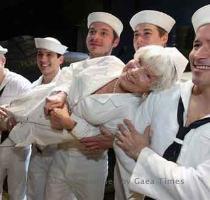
[(138, 79)]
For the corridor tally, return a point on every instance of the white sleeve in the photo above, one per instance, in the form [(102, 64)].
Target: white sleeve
[(83, 128), (65, 79), (18, 84), (162, 179)]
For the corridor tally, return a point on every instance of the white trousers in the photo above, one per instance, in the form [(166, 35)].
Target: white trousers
[(121, 185), (72, 174), (14, 165), (38, 172)]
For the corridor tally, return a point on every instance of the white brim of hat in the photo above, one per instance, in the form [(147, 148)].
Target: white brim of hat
[(42, 43), (3, 50), (154, 17), (106, 18), (201, 17)]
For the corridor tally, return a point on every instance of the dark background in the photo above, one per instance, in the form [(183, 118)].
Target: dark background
[(22, 20)]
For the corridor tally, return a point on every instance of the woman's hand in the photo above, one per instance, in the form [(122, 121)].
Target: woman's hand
[(60, 118)]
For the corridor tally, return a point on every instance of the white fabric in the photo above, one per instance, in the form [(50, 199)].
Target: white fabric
[(122, 179), (152, 17), (3, 50), (72, 174), (40, 162), (106, 18), (13, 161), (38, 172), (186, 76), (155, 176), (51, 44), (201, 17)]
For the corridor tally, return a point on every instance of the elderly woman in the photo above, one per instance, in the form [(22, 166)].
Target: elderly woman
[(103, 96), (99, 95), (115, 93)]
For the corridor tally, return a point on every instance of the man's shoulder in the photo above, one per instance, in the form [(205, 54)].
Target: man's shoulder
[(17, 77), (17, 80), (111, 59), (99, 61)]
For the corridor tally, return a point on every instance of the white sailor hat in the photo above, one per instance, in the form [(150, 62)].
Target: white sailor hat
[(50, 44), (179, 60), (201, 17), (153, 17), (106, 18), (3, 50)]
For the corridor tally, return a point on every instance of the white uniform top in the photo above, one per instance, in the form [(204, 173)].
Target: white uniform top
[(15, 85), (67, 73), (189, 178)]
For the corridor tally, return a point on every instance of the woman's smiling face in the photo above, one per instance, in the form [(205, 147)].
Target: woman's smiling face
[(138, 79)]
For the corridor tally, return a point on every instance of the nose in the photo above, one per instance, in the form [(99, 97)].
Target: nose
[(139, 40), (42, 58), (95, 36), (202, 52)]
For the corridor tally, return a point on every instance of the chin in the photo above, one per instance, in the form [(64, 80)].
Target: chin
[(197, 81)]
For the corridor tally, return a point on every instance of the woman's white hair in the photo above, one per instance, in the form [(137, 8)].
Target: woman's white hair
[(168, 64)]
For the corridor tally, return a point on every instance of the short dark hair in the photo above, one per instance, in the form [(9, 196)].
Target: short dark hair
[(59, 55), (161, 31)]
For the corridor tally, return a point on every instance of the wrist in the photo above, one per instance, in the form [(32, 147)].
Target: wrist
[(69, 124), (136, 154)]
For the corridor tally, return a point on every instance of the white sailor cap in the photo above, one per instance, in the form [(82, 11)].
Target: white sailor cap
[(201, 17), (3, 50), (153, 17), (106, 18), (179, 60), (50, 44)]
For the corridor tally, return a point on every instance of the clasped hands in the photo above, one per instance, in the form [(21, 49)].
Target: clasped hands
[(58, 111)]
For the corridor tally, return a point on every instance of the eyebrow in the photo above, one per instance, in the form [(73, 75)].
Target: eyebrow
[(145, 29), (148, 29), (103, 29), (197, 40)]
